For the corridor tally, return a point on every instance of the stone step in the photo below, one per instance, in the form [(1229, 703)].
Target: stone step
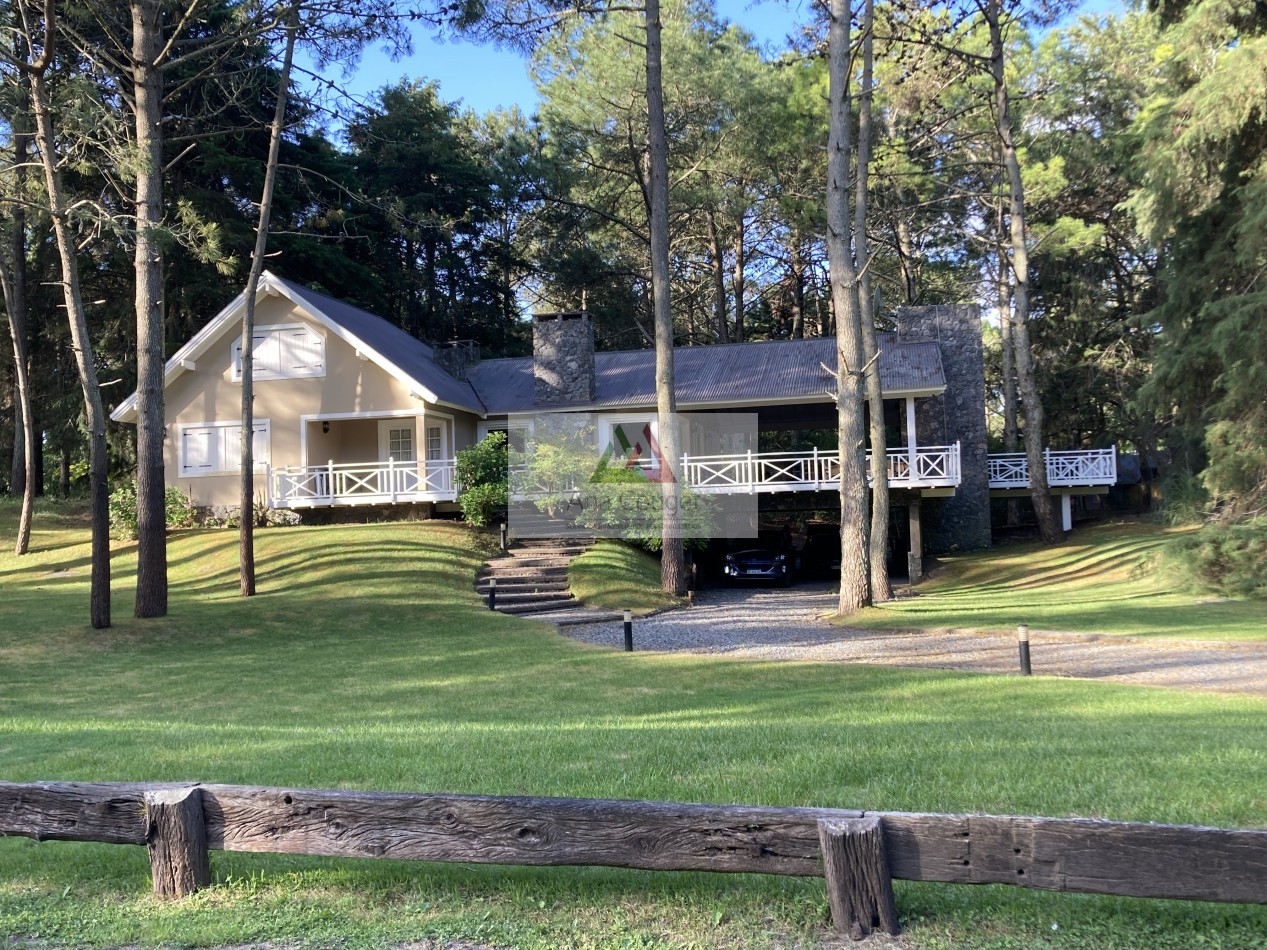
[(552, 550), (523, 570), (514, 599), (538, 606), (525, 584), (527, 564)]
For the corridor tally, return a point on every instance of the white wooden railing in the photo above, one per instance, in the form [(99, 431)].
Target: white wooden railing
[(303, 486), (935, 466), (1083, 467), (816, 470), (930, 466)]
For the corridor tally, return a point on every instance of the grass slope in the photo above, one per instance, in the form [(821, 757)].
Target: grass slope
[(367, 661), (619, 577), (1103, 579)]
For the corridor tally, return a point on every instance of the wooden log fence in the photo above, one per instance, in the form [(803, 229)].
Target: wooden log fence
[(857, 852)]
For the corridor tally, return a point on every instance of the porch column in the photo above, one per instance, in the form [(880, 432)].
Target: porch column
[(1066, 512), (420, 450), (910, 438), (915, 557)]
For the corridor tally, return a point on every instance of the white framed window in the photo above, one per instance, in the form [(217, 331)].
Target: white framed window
[(400, 444), (284, 351), (215, 448), (518, 434), (435, 443)]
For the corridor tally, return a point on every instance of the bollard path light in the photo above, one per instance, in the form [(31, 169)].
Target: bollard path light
[(628, 631), (492, 593), (1022, 639)]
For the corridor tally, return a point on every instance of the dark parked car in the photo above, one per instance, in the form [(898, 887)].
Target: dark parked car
[(773, 560)]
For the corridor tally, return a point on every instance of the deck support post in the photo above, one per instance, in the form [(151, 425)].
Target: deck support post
[(176, 837), (1066, 512), (910, 438), (915, 558), (859, 888)]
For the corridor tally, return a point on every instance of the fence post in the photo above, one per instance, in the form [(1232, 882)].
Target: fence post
[(391, 476), (859, 888), (176, 837)]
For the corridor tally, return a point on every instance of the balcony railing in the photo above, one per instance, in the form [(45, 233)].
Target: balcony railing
[(931, 466), (390, 482), (936, 466), (767, 472), (1079, 468)]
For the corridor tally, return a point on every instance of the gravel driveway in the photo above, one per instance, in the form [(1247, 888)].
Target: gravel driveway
[(777, 624)]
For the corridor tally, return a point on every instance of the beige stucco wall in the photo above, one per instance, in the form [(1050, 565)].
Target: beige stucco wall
[(208, 393)]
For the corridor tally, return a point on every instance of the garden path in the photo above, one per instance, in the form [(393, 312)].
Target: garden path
[(771, 624)]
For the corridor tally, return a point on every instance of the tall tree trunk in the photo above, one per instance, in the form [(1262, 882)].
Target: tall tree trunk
[(98, 474), (718, 269), (1044, 509), (1007, 346), (246, 523), (740, 304), (13, 275), (151, 517), (672, 554), (878, 541), (796, 270), (854, 589), (1007, 349)]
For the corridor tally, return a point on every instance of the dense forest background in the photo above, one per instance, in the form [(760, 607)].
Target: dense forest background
[(1143, 142)]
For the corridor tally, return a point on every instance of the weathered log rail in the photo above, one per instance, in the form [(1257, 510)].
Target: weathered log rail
[(179, 822)]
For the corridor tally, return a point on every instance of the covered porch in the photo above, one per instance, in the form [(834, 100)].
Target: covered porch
[(368, 459)]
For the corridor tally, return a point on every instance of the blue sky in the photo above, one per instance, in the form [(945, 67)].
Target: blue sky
[(483, 77)]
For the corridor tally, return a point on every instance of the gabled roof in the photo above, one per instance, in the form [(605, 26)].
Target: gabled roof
[(727, 374), (736, 374), (402, 356)]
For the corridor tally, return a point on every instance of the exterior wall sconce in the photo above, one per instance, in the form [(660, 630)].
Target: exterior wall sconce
[(325, 426)]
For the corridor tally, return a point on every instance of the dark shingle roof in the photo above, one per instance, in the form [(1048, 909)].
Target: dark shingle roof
[(736, 373), (408, 353)]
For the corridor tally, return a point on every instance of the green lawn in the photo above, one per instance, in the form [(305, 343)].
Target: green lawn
[(368, 661), (1103, 579), (619, 577)]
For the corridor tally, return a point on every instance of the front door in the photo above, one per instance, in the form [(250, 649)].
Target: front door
[(397, 446), (436, 440)]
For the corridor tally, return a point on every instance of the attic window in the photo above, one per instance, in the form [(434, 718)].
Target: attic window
[(284, 352)]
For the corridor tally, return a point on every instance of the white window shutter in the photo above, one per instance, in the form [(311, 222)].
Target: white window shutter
[(302, 352), (260, 444), (197, 451)]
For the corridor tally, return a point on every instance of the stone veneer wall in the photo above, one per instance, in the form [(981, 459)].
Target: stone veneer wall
[(961, 522), (563, 358), (456, 358)]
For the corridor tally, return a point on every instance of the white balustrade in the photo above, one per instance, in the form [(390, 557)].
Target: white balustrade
[(301, 486), (1077, 468), (933, 466)]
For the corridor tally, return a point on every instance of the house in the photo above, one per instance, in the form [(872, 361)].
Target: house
[(351, 410)]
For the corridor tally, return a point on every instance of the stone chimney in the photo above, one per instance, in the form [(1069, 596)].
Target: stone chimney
[(563, 358), (961, 522), (456, 357)]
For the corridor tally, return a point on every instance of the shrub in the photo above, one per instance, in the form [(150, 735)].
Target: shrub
[(1228, 559), (179, 511), (482, 472)]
